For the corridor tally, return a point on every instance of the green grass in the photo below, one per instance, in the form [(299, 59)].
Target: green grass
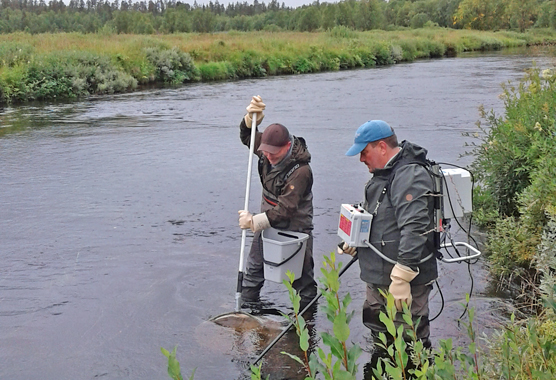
[(123, 61)]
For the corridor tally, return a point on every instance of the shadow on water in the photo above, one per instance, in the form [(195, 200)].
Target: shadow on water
[(119, 215)]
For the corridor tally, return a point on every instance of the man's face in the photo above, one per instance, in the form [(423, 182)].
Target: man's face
[(275, 158), (372, 156)]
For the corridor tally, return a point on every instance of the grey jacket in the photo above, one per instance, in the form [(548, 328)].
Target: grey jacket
[(404, 220), (288, 202)]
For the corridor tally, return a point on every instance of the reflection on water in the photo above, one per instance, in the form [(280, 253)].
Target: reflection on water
[(119, 214)]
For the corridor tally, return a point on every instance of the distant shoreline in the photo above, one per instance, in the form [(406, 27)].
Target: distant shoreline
[(68, 66)]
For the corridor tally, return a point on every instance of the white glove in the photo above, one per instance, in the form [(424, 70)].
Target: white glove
[(256, 222), (343, 247), (400, 286), (245, 219), (256, 107)]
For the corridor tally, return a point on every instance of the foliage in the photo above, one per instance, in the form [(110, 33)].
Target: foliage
[(256, 373), (174, 370), (172, 65), (521, 350), (545, 261), (13, 53), (74, 65), (143, 17), (64, 75), (340, 362), (524, 349), (516, 166)]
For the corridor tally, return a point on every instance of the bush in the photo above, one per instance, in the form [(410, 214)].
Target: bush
[(516, 167), (15, 53), (172, 65)]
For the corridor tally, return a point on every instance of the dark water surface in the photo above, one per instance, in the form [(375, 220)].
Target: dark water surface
[(118, 223)]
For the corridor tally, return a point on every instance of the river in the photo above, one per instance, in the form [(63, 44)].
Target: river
[(118, 229)]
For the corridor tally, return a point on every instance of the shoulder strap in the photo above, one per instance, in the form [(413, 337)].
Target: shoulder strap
[(288, 170), (402, 162), (427, 164)]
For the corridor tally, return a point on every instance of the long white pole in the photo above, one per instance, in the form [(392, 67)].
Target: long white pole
[(246, 207)]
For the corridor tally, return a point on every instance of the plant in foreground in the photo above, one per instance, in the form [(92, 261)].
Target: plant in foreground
[(340, 362), (174, 370), (519, 351)]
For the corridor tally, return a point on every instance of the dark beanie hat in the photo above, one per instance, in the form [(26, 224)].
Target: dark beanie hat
[(274, 137)]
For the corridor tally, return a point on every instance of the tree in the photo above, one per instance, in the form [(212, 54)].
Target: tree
[(522, 13), (481, 14)]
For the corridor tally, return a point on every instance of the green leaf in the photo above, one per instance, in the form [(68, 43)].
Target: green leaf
[(340, 327), (342, 374), (294, 357), (304, 340), (334, 344), (388, 323), (193, 374)]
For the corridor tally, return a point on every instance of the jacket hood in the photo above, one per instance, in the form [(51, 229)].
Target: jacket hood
[(408, 152), (299, 153)]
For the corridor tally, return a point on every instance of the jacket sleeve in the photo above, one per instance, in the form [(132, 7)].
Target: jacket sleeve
[(245, 136), (295, 189), (410, 195)]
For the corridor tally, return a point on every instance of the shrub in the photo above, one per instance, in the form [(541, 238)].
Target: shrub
[(15, 53), (74, 74), (172, 65)]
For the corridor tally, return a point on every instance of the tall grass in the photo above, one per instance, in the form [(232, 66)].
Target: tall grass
[(119, 62)]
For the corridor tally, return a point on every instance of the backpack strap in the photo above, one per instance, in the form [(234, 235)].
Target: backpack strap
[(288, 170), (434, 246)]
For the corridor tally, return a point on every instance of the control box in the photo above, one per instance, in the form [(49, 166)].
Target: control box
[(354, 225), (457, 189)]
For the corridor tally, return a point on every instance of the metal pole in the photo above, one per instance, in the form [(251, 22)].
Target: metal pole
[(246, 208)]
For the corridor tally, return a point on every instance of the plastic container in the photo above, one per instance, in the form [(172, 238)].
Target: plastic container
[(283, 251)]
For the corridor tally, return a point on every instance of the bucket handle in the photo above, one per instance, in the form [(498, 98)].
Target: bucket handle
[(285, 261), (288, 235)]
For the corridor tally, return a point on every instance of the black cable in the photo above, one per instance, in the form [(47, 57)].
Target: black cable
[(441, 305), (468, 234)]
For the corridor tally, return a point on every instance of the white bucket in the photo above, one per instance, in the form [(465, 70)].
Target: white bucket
[(283, 251)]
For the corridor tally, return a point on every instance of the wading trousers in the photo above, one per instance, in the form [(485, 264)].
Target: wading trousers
[(253, 276), (375, 303)]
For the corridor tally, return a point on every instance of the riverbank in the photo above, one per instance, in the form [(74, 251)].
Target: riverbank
[(73, 65)]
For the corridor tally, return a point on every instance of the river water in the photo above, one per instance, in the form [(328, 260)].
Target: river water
[(118, 229)]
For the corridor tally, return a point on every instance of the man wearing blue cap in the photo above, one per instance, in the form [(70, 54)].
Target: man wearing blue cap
[(399, 197)]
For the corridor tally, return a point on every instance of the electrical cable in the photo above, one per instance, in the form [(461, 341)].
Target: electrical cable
[(441, 304), (468, 234)]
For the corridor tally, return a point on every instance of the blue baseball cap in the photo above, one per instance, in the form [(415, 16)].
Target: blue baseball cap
[(372, 130)]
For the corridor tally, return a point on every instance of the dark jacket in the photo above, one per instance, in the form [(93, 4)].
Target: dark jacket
[(404, 220), (288, 202)]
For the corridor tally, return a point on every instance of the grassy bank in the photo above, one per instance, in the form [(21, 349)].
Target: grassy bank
[(71, 65)]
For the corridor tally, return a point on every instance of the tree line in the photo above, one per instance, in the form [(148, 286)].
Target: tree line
[(171, 16)]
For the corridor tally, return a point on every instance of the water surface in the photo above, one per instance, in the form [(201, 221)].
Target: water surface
[(119, 213)]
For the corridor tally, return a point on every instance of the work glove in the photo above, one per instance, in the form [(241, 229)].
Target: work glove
[(256, 107), (400, 286), (343, 247), (256, 222)]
